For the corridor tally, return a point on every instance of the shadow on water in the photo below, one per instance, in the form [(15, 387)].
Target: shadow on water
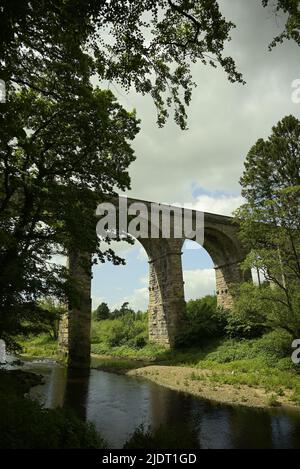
[(76, 391), (118, 405)]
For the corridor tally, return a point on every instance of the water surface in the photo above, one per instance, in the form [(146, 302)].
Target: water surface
[(118, 404)]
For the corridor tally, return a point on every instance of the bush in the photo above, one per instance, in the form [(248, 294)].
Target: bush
[(163, 438), (129, 330), (248, 318), (25, 424), (276, 344), (204, 321)]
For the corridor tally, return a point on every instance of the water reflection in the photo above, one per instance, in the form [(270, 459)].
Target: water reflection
[(76, 391), (118, 404)]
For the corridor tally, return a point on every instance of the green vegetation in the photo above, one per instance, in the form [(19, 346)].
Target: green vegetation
[(42, 345), (25, 424), (269, 220), (163, 438), (129, 330)]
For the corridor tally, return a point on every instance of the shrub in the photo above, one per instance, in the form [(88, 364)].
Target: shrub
[(128, 330), (204, 321), (248, 318), (25, 424), (276, 344), (163, 438)]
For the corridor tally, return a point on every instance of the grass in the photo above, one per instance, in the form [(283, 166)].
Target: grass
[(149, 352), (39, 346), (115, 365)]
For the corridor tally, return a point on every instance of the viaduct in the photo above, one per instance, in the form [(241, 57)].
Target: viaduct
[(166, 308)]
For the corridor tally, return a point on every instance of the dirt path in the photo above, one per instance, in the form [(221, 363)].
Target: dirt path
[(197, 382)]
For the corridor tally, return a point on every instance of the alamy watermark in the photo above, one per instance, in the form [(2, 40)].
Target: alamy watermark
[(295, 96), (2, 91), (296, 353), (149, 220)]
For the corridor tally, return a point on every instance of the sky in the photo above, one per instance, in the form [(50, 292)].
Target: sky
[(203, 165)]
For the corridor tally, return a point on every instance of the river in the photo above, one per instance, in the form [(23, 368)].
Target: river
[(118, 404)]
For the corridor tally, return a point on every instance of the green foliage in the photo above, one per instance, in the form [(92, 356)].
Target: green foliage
[(275, 345), (163, 438), (54, 312), (270, 222), (101, 313), (270, 348), (248, 317), (204, 321), (24, 424), (149, 352), (66, 150), (128, 330), (41, 345)]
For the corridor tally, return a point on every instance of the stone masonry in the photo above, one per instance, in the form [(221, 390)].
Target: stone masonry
[(75, 326), (166, 287)]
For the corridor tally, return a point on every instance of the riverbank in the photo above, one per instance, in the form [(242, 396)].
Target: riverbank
[(204, 384), (257, 372), (17, 382)]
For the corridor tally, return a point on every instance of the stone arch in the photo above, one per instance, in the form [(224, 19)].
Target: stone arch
[(166, 288), (227, 254)]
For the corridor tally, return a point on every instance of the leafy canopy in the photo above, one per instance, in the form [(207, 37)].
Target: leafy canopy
[(270, 221)]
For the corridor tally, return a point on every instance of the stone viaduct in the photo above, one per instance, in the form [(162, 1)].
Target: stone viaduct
[(166, 308)]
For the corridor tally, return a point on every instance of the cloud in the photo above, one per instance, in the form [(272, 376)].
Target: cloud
[(220, 204), (198, 283), (138, 300)]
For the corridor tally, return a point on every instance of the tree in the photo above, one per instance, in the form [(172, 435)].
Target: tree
[(124, 310), (148, 45), (65, 143), (63, 139), (53, 313), (53, 174), (292, 26), (102, 312), (270, 221)]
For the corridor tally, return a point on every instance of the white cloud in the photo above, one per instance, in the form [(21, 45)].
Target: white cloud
[(121, 248), (220, 204), (138, 300), (198, 283)]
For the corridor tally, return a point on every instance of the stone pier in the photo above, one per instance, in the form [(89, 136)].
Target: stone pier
[(166, 308), (75, 326), (227, 276)]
